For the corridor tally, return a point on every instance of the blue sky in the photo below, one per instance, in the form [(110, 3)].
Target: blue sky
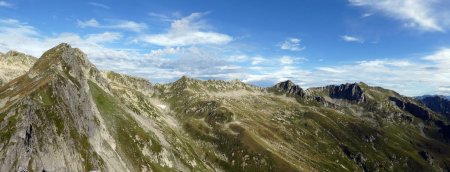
[(397, 44)]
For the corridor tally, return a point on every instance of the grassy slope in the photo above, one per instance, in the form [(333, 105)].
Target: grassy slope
[(274, 134)]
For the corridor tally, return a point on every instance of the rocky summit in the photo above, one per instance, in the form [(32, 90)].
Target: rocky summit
[(60, 113)]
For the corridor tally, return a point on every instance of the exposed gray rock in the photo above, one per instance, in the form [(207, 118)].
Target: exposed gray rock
[(352, 92), (289, 88), (426, 156), (412, 108), (439, 104)]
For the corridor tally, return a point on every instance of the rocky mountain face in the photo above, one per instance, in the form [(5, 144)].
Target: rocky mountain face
[(14, 64), (351, 92), (437, 103), (290, 88), (65, 115)]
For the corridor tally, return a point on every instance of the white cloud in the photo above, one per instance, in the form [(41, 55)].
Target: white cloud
[(330, 70), (88, 23), (190, 30), (104, 37), (6, 4), (238, 58), (365, 15), (258, 60), (289, 60), (162, 17), (286, 60), (410, 77), (167, 50), (116, 24), (16, 35), (427, 75), (348, 38), (292, 44), (96, 4), (160, 65), (268, 76), (420, 14), (444, 90), (441, 57)]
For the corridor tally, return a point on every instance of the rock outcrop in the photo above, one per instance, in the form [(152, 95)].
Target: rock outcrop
[(290, 88), (352, 92), (413, 108), (439, 104)]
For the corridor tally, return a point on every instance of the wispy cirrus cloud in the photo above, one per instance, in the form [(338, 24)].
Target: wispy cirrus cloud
[(349, 38), (420, 14), (113, 24), (100, 5), (292, 44), (6, 4), (290, 60), (190, 30)]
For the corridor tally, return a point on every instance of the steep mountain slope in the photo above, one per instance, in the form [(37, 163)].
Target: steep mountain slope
[(14, 64), (437, 103), (65, 115)]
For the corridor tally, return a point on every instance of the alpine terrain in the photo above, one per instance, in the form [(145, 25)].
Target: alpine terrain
[(60, 113)]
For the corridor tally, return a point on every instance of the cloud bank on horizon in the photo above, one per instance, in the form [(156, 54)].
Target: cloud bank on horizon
[(409, 53)]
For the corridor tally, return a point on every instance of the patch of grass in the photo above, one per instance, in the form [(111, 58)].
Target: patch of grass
[(9, 130), (45, 95)]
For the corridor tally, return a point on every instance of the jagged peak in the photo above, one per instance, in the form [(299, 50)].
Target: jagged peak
[(184, 80), (285, 84), (67, 62), (59, 50), (63, 57), (289, 87)]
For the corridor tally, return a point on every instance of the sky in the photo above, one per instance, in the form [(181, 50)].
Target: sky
[(402, 45)]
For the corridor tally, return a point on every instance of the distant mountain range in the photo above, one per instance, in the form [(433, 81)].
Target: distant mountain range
[(60, 113), (440, 104), (435, 96)]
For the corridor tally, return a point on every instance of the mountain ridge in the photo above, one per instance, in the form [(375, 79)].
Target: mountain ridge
[(14, 64), (66, 115)]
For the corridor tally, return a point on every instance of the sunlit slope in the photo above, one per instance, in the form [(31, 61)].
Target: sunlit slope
[(65, 115)]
